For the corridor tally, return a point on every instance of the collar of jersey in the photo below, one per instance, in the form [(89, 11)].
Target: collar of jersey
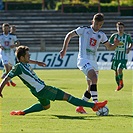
[(93, 30), (5, 34)]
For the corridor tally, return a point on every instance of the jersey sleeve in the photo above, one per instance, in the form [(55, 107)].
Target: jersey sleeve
[(104, 38), (79, 30), (15, 38), (16, 71), (111, 39), (130, 39)]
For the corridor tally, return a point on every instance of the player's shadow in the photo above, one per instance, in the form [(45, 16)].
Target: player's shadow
[(74, 117), (90, 117), (120, 115), (85, 117)]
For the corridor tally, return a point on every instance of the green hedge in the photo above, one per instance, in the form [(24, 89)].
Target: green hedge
[(77, 8), (69, 8)]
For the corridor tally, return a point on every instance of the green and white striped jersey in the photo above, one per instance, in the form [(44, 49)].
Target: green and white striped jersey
[(120, 51), (28, 77)]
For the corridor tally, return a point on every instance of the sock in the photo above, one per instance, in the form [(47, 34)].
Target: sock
[(120, 76), (117, 79), (93, 92), (34, 108), (10, 80), (86, 96), (78, 102)]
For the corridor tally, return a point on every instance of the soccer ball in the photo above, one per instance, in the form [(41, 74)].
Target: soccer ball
[(103, 111)]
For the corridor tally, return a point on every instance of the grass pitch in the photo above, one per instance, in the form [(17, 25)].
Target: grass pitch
[(61, 117)]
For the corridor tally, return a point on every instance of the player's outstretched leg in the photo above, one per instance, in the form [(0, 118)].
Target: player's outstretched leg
[(78, 102), (34, 108)]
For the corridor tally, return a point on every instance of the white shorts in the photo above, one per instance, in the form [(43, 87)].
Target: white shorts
[(8, 58), (86, 65)]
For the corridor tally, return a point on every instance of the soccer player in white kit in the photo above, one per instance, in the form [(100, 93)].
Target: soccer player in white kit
[(8, 42), (89, 41)]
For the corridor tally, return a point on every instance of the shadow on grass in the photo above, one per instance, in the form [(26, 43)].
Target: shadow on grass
[(120, 115), (91, 117), (66, 117), (84, 117), (75, 117)]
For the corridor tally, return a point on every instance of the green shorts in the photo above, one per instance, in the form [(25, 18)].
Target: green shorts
[(49, 93), (116, 64)]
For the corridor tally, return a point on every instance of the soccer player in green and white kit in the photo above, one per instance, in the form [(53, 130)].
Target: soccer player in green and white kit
[(38, 88), (120, 58)]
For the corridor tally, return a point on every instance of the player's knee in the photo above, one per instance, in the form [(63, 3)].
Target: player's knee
[(94, 80), (66, 96), (46, 107), (92, 76)]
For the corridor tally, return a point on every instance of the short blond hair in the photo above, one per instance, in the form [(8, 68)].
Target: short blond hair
[(98, 17)]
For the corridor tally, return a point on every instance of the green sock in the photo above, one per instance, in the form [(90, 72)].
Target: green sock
[(117, 79), (120, 76), (34, 108), (78, 102)]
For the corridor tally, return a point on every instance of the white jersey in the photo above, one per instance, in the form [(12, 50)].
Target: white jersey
[(89, 41), (6, 41), (7, 54)]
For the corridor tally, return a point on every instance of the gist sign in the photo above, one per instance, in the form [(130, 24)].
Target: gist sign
[(53, 60)]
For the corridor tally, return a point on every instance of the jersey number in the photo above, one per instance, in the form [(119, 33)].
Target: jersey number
[(93, 41)]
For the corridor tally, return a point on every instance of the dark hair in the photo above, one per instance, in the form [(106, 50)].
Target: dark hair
[(119, 23), (21, 51), (98, 17)]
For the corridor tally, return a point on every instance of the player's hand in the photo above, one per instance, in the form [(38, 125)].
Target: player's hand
[(62, 53), (2, 47), (41, 64), (128, 50)]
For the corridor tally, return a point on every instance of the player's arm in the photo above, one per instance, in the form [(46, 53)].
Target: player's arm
[(37, 63), (110, 46), (130, 44), (16, 44), (3, 83), (129, 47), (66, 42)]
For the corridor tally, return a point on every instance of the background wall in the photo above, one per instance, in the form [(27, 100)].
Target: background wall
[(52, 59)]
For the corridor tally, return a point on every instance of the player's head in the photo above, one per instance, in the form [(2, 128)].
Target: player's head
[(5, 28), (13, 29), (120, 27), (97, 21), (22, 54)]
